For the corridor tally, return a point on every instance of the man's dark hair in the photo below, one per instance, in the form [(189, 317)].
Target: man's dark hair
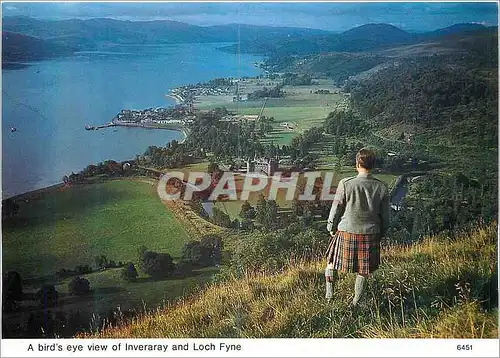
[(365, 158)]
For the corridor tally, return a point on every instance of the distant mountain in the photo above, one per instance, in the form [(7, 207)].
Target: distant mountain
[(479, 47), (373, 35), (455, 29), (89, 33), (367, 37), (76, 34), (247, 33), (18, 48)]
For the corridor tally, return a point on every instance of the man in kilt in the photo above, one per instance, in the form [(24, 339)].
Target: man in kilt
[(359, 217)]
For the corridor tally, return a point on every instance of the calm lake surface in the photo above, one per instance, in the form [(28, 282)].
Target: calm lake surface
[(50, 102)]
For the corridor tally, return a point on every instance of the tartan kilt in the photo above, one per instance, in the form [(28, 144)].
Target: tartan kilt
[(354, 252)]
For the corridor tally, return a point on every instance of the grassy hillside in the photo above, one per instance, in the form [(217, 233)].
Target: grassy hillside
[(436, 288), (64, 228)]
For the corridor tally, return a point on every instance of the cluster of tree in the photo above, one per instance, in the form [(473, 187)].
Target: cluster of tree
[(129, 272), (78, 270), (265, 125), (106, 169), (278, 63), (173, 155), (344, 123), (302, 143), (223, 140), (271, 251), (430, 92), (300, 149), (322, 91), (156, 265), (78, 286), (10, 208), (102, 262), (247, 216), (54, 323), (337, 66), (50, 324), (266, 213), (206, 252), (308, 210), (274, 92), (221, 218), (247, 211), (296, 79), (48, 297), (216, 82), (12, 291), (443, 203)]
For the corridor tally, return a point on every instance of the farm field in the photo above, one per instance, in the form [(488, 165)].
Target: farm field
[(300, 109), (69, 227)]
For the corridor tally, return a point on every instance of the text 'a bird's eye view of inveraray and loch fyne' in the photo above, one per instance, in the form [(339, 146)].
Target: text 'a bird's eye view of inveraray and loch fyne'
[(177, 170)]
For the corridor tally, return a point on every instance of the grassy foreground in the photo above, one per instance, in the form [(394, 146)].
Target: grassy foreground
[(437, 288)]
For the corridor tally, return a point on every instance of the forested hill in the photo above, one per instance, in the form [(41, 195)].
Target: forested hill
[(90, 33), (18, 48), (471, 45), (362, 38)]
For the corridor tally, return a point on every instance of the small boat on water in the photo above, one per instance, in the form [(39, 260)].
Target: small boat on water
[(89, 128), (13, 129)]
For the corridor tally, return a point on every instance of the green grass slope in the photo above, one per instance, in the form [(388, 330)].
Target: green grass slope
[(436, 288), (65, 228)]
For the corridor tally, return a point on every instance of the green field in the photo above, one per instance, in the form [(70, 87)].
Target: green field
[(110, 291), (300, 108), (70, 227)]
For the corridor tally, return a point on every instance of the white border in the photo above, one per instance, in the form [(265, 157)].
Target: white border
[(273, 347)]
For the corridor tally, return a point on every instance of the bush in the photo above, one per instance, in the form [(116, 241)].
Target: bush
[(157, 265), (83, 269), (203, 253), (247, 211), (101, 262), (195, 253), (48, 296), (129, 272), (183, 268), (78, 286), (220, 218), (214, 245), (12, 291)]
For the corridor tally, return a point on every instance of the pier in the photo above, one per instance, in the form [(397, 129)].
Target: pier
[(94, 128)]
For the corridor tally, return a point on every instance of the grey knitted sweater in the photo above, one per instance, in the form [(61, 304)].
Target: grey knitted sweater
[(361, 206)]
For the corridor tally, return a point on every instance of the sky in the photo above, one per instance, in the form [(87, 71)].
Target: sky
[(415, 17)]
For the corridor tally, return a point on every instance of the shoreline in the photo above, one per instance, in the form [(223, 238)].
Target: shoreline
[(39, 191), (178, 100), (177, 128)]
